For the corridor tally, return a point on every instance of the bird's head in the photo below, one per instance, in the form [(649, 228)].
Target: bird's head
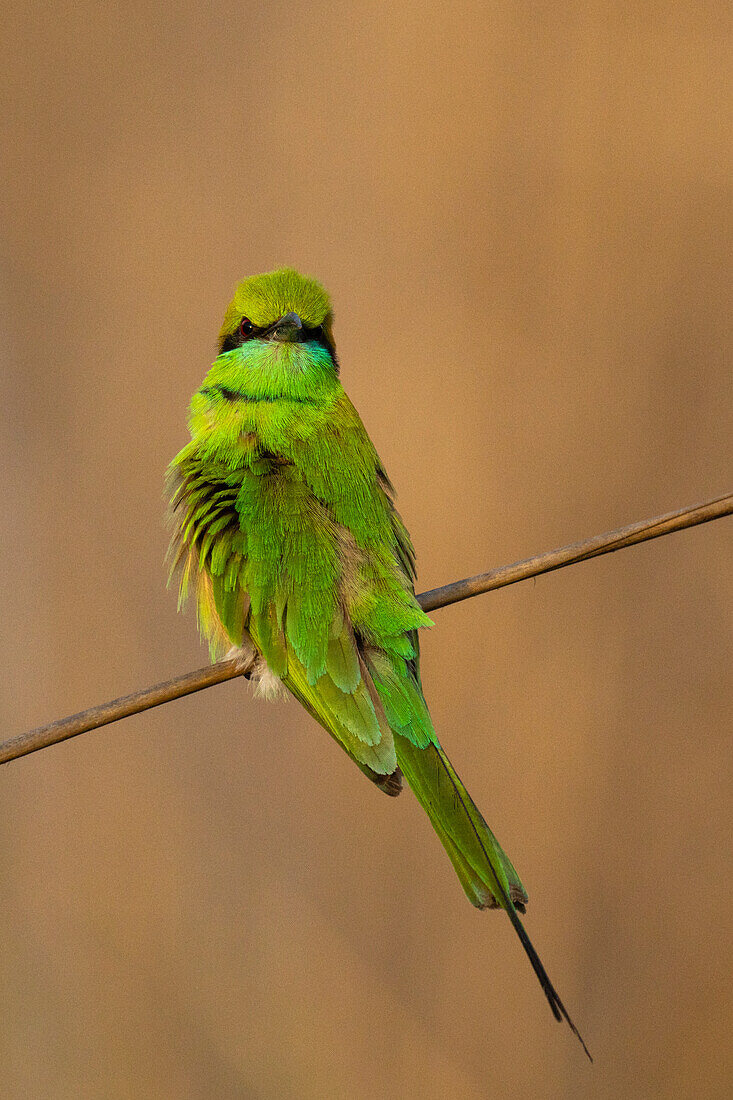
[(280, 308)]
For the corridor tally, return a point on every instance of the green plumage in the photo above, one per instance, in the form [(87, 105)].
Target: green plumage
[(285, 526)]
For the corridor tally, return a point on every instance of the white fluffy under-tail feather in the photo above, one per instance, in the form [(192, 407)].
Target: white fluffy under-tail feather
[(264, 681)]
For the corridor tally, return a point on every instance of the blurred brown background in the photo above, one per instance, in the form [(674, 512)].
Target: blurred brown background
[(523, 214)]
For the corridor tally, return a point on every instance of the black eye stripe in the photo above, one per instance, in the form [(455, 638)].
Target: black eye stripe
[(237, 338), (315, 334), (230, 342), (320, 337)]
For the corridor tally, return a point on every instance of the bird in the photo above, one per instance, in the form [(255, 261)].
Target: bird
[(284, 527)]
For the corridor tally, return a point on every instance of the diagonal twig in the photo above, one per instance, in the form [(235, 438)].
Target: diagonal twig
[(138, 701)]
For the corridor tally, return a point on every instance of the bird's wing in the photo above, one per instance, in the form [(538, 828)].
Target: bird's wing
[(342, 698)]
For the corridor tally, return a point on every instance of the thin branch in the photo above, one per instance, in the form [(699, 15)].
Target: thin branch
[(619, 539), (65, 728)]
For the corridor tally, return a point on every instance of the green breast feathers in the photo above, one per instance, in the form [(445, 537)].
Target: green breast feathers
[(284, 524)]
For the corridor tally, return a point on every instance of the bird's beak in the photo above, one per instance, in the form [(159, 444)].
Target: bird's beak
[(288, 330)]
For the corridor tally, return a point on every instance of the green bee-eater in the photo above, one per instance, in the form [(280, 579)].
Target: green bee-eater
[(285, 523)]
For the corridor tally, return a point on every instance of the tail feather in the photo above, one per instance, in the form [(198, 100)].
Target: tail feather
[(485, 871), (553, 998)]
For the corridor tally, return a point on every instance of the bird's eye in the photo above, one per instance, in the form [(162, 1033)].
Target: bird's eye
[(246, 327)]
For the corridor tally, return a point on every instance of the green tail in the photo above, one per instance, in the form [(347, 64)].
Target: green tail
[(485, 871)]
